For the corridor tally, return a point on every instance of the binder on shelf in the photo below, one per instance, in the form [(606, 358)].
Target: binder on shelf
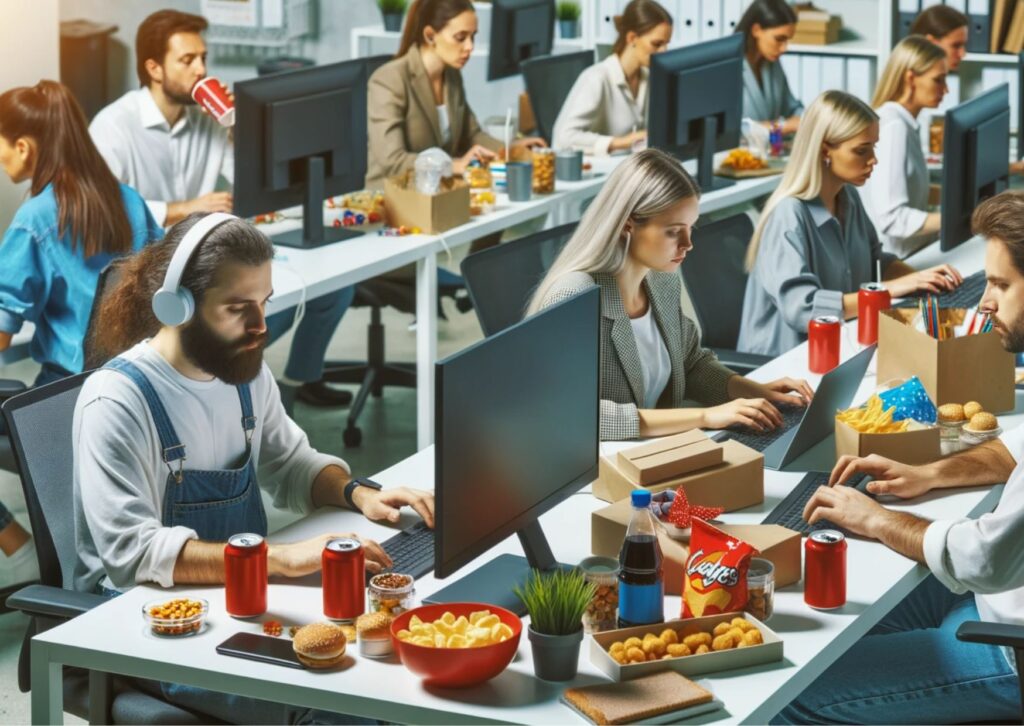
[(606, 12), (1015, 34), (979, 32), (710, 19), (732, 11), (1001, 14), (858, 78), (810, 72), (833, 73), (688, 24), (791, 67), (960, 5), (908, 10)]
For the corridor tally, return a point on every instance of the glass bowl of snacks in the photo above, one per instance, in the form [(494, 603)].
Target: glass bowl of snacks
[(951, 421), (176, 618), (601, 613), (981, 427), (390, 592)]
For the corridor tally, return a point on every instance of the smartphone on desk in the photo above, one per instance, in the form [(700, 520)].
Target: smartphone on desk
[(277, 651)]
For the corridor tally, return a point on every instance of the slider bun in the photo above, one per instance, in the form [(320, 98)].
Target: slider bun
[(320, 645), (951, 412)]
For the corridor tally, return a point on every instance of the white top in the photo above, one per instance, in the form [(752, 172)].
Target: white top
[(654, 360), (599, 107), (444, 123), (161, 163), (896, 194), (120, 476)]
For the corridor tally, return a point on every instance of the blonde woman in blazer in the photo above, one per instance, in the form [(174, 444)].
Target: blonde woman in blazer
[(630, 243)]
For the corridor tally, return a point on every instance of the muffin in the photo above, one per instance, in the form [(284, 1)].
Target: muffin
[(971, 408), (951, 413), (982, 422), (374, 634)]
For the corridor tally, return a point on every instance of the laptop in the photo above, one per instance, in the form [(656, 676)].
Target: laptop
[(836, 391)]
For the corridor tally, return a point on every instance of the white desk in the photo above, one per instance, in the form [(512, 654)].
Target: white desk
[(112, 638)]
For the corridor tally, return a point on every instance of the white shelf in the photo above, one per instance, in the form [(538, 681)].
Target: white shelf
[(1001, 58), (843, 47)]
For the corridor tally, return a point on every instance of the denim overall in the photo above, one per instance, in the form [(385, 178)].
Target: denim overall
[(215, 503)]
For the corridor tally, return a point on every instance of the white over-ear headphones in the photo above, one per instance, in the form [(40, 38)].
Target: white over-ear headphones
[(173, 304)]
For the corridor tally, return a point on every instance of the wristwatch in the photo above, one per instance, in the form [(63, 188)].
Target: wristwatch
[(361, 482)]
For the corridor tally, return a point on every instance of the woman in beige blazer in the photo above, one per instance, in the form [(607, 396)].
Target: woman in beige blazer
[(417, 101), (630, 243)]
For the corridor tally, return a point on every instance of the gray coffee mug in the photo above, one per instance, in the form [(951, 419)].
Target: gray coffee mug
[(568, 165), (520, 180)]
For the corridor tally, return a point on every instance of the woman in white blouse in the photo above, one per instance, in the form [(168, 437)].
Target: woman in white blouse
[(896, 196), (606, 110)]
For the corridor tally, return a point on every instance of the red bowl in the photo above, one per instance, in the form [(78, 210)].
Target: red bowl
[(456, 667)]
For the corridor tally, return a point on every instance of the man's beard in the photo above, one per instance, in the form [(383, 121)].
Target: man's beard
[(221, 358), (178, 94), (1012, 338)]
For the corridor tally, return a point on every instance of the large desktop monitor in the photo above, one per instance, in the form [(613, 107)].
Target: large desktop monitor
[(516, 434), (520, 29), (696, 103), (300, 137), (975, 160)]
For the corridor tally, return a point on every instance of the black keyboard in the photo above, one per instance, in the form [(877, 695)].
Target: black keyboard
[(790, 511), (761, 440), (968, 295), (411, 550)]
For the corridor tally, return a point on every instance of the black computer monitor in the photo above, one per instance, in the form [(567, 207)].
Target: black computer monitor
[(975, 160), (548, 80), (696, 103), (516, 433), (520, 29), (300, 137)]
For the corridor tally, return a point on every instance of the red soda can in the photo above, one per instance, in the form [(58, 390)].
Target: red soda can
[(210, 94), (872, 299), (825, 569), (344, 578), (823, 343), (245, 575)]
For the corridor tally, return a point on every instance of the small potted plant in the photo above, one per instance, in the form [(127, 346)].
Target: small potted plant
[(568, 13), (393, 11), (556, 602)]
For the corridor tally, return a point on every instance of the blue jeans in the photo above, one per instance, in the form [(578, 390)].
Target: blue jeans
[(910, 668), (309, 346)]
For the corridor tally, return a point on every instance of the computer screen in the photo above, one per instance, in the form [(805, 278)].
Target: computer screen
[(516, 434), (975, 160), (520, 29), (300, 137), (696, 103), (548, 80)]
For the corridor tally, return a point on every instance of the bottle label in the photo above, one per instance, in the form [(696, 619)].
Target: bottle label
[(642, 603)]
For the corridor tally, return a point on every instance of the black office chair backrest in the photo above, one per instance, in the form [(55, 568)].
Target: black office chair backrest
[(39, 422), (501, 279), (374, 62), (549, 79), (109, 277), (716, 280)]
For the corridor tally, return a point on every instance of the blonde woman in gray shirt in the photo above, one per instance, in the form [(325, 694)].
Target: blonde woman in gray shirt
[(630, 243), (815, 245)]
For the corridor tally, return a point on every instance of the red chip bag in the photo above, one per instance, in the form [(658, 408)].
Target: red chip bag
[(716, 572)]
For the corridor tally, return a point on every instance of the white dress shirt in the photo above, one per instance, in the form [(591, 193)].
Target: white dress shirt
[(655, 363), (163, 164), (600, 107), (896, 193)]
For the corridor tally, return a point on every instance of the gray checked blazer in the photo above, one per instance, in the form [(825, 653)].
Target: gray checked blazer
[(696, 372)]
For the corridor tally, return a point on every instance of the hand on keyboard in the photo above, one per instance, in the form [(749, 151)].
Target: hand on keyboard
[(788, 392), (386, 503), (936, 280), (890, 477), (846, 507), (756, 414)]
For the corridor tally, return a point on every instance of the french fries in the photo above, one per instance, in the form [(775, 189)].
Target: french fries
[(871, 419)]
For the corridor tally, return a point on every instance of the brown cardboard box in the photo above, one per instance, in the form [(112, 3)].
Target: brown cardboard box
[(909, 447), (431, 213), (775, 543), (954, 370), (736, 483), (670, 456), (527, 121), (815, 26)]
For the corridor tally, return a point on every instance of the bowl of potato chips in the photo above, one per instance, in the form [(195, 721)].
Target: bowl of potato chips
[(456, 645)]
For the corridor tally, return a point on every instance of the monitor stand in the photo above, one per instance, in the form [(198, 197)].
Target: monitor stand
[(314, 233), (706, 161), (494, 582)]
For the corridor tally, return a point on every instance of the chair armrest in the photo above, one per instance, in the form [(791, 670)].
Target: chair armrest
[(991, 634), (53, 602), (9, 388), (742, 363)]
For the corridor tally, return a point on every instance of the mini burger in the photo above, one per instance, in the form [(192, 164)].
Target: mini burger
[(320, 645)]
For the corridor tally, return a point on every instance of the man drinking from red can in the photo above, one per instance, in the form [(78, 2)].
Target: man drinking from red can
[(911, 668)]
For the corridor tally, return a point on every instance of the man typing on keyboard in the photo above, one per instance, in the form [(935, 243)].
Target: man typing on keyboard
[(911, 668)]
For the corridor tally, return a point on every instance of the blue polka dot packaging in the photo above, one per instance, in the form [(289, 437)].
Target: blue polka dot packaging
[(910, 401)]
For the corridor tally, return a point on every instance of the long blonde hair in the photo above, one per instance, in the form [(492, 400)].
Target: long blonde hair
[(833, 117), (642, 187), (914, 53)]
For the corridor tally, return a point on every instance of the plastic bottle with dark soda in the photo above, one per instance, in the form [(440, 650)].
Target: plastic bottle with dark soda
[(641, 578)]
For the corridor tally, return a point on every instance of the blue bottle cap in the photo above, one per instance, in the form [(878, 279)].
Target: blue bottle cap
[(641, 498)]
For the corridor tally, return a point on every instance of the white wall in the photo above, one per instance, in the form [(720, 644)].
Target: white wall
[(29, 52)]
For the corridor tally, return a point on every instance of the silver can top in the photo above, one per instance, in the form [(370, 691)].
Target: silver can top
[(873, 287), (343, 544), (827, 320), (246, 540), (827, 536)]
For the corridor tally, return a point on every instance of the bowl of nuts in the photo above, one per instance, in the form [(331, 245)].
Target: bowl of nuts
[(176, 618)]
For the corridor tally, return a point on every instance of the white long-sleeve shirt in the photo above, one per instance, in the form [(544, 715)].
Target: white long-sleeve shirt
[(162, 163), (600, 107), (896, 193), (120, 476), (985, 555)]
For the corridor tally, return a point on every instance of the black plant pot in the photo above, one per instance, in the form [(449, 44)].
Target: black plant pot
[(393, 22)]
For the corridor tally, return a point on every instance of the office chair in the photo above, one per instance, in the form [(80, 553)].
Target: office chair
[(717, 282), (1001, 634), (501, 279), (548, 81)]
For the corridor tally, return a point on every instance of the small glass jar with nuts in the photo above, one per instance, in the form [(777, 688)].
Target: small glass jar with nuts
[(543, 171), (761, 588), (600, 614), (390, 592)]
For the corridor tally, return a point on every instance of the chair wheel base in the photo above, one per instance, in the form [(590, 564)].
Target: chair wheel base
[(352, 436)]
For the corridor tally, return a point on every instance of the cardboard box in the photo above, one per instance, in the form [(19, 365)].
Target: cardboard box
[(527, 121), (770, 651), (815, 26), (953, 370), (909, 447), (776, 543), (670, 456), (405, 206), (736, 483)]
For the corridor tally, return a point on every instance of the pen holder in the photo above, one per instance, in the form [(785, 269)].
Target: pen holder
[(569, 165)]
